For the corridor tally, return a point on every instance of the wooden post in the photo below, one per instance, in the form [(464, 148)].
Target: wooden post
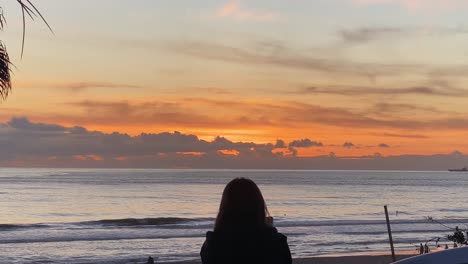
[(390, 234)]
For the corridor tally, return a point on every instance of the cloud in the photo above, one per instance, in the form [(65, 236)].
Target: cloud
[(348, 145), (81, 86), (228, 9), (398, 110), (383, 145), (305, 143), (367, 34), (251, 116), (418, 5), (28, 144), (280, 144), (254, 116), (287, 57), (21, 137), (239, 12), (23, 124), (365, 90), (280, 57), (395, 108), (180, 112), (414, 136), (213, 90)]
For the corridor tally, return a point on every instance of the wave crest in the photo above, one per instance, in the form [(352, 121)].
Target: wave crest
[(141, 221)]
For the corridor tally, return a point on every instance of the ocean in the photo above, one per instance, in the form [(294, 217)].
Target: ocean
[(126, 215)]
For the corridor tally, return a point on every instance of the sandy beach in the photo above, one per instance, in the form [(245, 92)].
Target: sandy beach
[(385, 259), (362, 259)]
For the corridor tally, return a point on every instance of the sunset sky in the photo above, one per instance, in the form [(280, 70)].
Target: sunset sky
[(358, 78)]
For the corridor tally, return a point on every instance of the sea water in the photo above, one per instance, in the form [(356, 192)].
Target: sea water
[(126, 215)]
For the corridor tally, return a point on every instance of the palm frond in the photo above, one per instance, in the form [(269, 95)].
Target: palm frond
[(5, 72), (40, 15), (27, 9), (2, 19)]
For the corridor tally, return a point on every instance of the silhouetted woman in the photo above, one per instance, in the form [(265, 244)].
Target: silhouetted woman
[(243, 231)]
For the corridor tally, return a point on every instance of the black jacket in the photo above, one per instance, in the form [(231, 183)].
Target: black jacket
[(267, 247)]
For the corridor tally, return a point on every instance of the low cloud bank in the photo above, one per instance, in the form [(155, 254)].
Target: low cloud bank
[(27, 144)]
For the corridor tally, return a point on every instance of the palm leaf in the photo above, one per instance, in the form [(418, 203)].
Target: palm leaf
[(27, 9), (5, 72), (2, 19)]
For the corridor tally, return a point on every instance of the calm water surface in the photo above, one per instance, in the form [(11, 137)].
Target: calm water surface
[(122, 216)]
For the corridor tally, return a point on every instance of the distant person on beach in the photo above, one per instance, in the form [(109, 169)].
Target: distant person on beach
[(243, 231), (426, 248), (421, 249), (150, 260)]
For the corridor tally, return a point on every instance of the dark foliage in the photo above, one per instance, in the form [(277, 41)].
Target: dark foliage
[(457, 237), (5, 78), (29, 10)]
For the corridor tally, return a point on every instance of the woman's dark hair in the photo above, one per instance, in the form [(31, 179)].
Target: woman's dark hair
[(242, 208)]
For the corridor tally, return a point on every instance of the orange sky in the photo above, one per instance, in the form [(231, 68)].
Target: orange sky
[(385, 77)]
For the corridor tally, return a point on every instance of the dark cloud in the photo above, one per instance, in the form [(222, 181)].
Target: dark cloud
[(25, 143), (20, 137), (280, 144), (305, 143), (23, 124), (348, 145), (302, 143), (383, 145)]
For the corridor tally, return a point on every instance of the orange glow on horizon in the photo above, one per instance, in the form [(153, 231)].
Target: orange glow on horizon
[(192, 153), (90, 157), (366, 141), (229, 152)]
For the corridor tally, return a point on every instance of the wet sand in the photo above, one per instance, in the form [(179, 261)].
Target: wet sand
[(350, 260)]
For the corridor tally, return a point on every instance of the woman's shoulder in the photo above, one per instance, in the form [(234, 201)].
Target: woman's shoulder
[(277, 236), (273, 231)]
